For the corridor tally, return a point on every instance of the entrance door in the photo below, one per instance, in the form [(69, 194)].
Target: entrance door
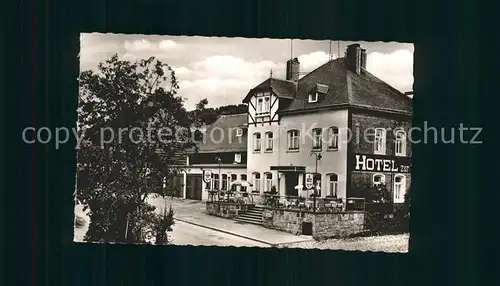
[(291, 180), (193, 186)]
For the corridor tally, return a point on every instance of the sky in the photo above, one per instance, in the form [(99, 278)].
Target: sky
[(223, 70)]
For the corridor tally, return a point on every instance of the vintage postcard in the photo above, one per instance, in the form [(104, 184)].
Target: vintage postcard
[(244, 142)]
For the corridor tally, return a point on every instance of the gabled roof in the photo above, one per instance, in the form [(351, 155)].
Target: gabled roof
[(345, 88), (221, 135), (282, 88)]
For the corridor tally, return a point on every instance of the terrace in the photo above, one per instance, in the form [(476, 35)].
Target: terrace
[(319, 217)]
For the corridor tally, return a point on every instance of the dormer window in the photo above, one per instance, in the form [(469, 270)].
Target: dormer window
[(263, 103), (239, 132), (320, 89), (313, 97)]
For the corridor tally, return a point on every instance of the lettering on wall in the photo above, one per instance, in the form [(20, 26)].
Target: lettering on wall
[(384, 164)]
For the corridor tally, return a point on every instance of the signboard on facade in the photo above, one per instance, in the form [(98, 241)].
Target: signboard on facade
[(381, 163), (207, 176), (309, 181)]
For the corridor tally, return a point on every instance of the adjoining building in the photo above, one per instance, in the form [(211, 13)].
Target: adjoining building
[(357, 123), (223, 153)]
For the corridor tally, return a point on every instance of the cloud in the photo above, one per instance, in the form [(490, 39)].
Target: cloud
[(226, 66), (144, 45), (181, 71), (311, 61), (94, 50), (143, 49), (223, 70), (395, 68), (226, 79), (218, 91)]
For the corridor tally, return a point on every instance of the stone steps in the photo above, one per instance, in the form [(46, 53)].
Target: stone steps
[(252, 216)]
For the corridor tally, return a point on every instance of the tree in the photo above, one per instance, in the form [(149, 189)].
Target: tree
[(135, 126)]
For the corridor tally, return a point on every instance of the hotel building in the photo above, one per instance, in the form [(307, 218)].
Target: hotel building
[(338, 121)]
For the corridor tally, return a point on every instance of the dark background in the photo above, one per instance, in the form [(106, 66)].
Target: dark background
[(452, 67)]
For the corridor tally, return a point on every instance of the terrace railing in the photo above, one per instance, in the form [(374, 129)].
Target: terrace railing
[(327, 204), (230, 196)]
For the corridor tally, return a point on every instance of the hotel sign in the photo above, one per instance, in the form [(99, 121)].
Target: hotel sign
[(309, 181), (381, 163), (207, 176)]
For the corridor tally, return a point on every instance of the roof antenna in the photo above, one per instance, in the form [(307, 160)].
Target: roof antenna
[(330, 50), (271, 74)]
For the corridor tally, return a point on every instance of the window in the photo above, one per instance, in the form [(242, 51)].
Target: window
[(216, 182), (333, 143), (267, 104), (243, 179), (317, 139), (237, 158), (269, 141), (263, 104), (239, 132), (399, 188), (256, 142), (256, 182), (332, 185), (313, 97), (224, 182), (259, 105), (233, 179), (269, 181), (378, 179), (293, 140), (400, 143), (379, 142)]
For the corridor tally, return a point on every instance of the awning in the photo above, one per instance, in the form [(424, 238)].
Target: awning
[(288, 168)]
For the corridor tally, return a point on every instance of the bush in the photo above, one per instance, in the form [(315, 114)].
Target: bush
[(378, 223), (121, 221), (162, 225), (381, 224)]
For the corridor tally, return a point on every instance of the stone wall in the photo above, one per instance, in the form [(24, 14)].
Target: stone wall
[(337, 224), (324, 225), (226, 210)]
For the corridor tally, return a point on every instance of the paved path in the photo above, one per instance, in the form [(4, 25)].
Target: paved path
[(183, 234), (189, 234), (194, 212), (194, 227)]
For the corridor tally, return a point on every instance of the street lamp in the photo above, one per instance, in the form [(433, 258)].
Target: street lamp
[(219, 161), (318, 157)]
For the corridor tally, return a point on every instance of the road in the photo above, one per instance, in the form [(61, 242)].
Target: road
[(187, 234)]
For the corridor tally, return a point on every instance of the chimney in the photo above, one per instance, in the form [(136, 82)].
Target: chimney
[(354, 57), (363, 59), (292, 69)]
